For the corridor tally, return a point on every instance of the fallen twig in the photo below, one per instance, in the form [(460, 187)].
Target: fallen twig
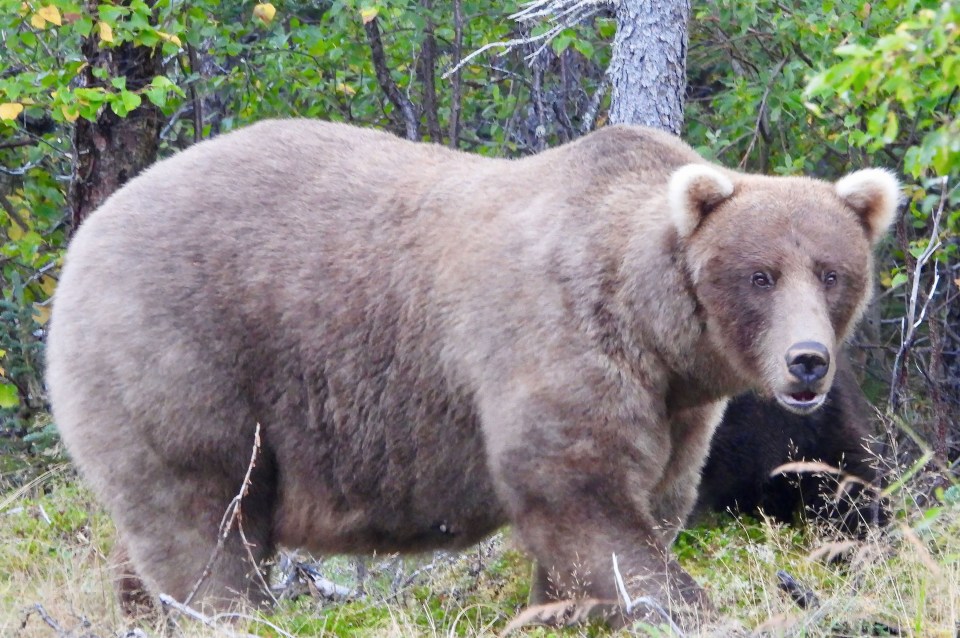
[(208, 621), (321, 587), (805, 598), (233, 514), (38, 609)]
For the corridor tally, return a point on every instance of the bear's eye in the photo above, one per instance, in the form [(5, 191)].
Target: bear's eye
[(829, 279), (762, 279)]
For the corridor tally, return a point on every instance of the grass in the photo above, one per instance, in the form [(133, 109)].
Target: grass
[(54, 581)]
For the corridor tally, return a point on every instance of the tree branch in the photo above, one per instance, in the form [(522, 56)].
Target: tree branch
[(24, 141), (761, 113), (389, 87), (560, 14), (11, 211), (194, 98), (428, 73), (593, 109), (456, 97), (915, 315)]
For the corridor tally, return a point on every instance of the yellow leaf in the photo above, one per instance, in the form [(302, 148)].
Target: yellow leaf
[(37, 21), (346, 89), (10, 110), (48, 285), (106, 31), (169, 38), (69, 114), (51, 14), (264, 12), (368, 14), (24, 9), (42, 313), (14, 232)]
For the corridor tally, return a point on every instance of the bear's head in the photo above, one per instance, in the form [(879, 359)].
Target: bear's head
[(782, 267)]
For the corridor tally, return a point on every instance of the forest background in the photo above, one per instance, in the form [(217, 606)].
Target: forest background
[(91, 92)]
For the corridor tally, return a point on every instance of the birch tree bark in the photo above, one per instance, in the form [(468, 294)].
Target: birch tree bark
[(648, 65)]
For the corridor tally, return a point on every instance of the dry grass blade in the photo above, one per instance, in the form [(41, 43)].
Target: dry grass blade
[(25, 489), (562, 613), (805, 467), (829, 551)]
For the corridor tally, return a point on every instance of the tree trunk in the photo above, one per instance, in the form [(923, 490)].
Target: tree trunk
[(648, 67), (113, 149)]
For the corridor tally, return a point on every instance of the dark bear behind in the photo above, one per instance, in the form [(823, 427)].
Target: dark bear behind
[(757, 435)]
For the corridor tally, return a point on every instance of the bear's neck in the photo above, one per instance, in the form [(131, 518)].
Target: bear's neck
[(667, 323)]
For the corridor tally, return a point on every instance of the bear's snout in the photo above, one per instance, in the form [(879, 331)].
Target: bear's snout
[(808, 362)]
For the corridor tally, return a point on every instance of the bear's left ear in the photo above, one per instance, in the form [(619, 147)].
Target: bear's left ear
[(694, 191), (874, 194)]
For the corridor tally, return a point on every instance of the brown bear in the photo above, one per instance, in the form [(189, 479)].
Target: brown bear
[(757, 436), (435, 344)]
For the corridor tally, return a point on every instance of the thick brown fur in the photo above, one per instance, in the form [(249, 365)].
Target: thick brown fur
[(435, 345), (756, 436)]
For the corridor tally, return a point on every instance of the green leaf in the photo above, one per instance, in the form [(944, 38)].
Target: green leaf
[(130, 100), (584, 47), (852, 51), (560, 43), (9, 397), (156, 96)]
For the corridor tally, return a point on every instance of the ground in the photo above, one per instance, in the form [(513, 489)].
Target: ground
[(53, 539)]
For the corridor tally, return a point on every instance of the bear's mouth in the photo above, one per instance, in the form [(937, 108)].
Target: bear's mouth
[(801, 402)]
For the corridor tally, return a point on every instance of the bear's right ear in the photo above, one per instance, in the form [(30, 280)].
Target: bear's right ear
[(694, 191)]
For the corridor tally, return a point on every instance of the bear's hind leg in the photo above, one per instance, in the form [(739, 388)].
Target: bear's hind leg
[(134, 597), (182, 550)]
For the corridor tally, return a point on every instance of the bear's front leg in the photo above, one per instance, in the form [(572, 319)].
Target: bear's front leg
[(576, 465), (674, 496)]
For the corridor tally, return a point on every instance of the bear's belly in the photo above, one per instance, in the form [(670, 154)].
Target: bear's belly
[(320, 520), (375, 453), (409, 489)]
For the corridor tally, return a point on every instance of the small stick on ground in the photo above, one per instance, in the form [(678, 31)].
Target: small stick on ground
[(234, 514), (38, 609), (193, 614), (804, 597), (214, 622)]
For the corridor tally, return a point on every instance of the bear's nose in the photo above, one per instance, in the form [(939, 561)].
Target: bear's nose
[(808, 361)]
